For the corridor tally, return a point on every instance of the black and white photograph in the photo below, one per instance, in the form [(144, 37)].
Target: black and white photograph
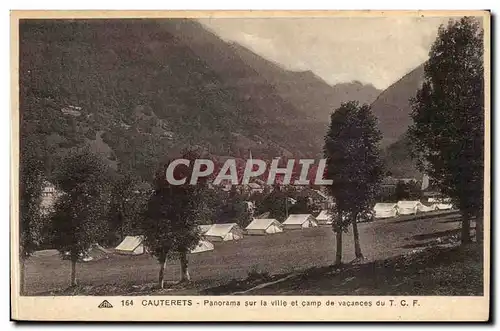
[(215, 156)]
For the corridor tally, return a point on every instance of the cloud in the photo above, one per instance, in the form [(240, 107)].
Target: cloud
[(371, 50)]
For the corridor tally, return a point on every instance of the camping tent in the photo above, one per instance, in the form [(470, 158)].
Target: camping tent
[(224, 232), (423, 208), (94, 252), (441, 203), (204, 228), (264, 226), (300, 221), (439, 200), (409, 207), (324, 218), (443, 206), (131, 245), (385, 210), (203, 246)]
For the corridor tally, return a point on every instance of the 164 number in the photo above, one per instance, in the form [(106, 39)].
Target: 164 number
[(127, 303)]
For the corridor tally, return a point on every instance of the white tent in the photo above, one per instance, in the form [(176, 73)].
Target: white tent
[(439, 200), (385, 210), (423, 208), (224, 232), (441, 203), (204, 228), (300, 221), (131, 245), (324, 218), (264, 226), (203, 246), (409, 207), (443, 206)]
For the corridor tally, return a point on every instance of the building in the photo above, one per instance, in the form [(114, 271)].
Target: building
[(254, 188), (49, 196)]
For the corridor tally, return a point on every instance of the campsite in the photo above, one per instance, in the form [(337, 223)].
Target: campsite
[(161, 157), (289, 251)]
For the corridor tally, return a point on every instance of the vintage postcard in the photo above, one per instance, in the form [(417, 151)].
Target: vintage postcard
[(250, 166)]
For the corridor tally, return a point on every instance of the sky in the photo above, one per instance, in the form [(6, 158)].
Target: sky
[(372, 50)]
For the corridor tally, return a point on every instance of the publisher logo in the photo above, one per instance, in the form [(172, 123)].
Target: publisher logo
[(105, 304)]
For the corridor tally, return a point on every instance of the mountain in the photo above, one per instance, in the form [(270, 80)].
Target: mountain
[(249, 72), (305, 90), (137, 91), (393, 109), (398, 159), (392, 106)]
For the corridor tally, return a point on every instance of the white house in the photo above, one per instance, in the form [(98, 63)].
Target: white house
[(324, 218), (385, 210), (255, 188), (224, 232), (49, 197), (264, 226), (300, 221)]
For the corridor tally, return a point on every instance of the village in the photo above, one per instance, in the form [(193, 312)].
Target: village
[(220, 239), (191, 165)]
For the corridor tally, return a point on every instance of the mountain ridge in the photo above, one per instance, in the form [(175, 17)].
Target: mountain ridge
[(145, 89)]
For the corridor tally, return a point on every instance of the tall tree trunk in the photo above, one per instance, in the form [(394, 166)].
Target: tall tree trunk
[(73, 271), (185, 277), (21, 275), (479, 227), (161, 276), (466, 239), (338, 251), (357, 247)]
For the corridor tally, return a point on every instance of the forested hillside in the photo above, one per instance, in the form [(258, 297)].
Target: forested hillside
[(138, 91)]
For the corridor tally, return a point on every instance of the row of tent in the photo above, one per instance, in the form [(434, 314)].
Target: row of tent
[(386, 210), (133, 245), (258, 226)]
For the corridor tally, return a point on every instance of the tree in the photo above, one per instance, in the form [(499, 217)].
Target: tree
[(402, 191), (302, 206), (354, 165), (128, 198), (172, 216), (448, 114), (275, 203), (79, 215), (31, 179)]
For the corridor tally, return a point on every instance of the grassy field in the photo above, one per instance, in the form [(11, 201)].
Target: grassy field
[(432, 271), (283, 253)]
